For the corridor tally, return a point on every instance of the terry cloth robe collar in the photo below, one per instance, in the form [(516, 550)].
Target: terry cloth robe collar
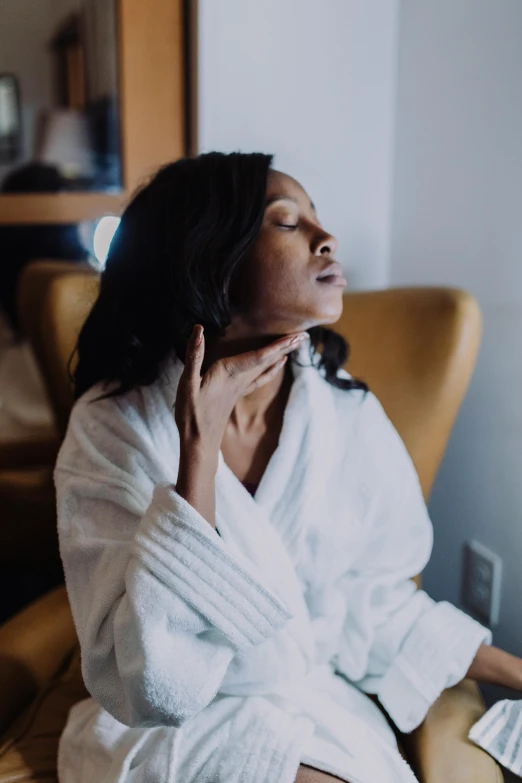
[(289, 492)]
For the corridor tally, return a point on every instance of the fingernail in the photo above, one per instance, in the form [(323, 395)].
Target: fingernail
[(199, 334), (299, 338)]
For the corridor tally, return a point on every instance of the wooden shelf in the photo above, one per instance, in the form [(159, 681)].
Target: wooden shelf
[(59, 207)]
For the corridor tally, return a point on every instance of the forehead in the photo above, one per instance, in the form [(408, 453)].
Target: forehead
[(281, 185)]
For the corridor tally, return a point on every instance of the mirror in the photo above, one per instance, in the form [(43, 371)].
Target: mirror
[(59, 106)]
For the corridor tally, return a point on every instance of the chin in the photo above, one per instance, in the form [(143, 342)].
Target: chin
[(331, 312)]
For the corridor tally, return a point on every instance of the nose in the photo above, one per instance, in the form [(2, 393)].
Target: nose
[(324, 244)]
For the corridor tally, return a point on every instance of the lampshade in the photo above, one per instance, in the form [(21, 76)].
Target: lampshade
[(65, 143)]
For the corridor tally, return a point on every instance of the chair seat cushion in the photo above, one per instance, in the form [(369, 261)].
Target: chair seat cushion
[(29, 750)]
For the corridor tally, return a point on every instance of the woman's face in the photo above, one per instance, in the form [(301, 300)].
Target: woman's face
[(291, 281)]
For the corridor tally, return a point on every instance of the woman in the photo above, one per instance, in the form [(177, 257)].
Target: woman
[(239, 521)]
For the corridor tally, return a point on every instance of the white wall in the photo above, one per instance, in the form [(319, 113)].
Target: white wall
[(457, 220), (313, 82)]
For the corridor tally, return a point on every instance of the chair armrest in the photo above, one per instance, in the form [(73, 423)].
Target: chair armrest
[(440, 750), (34, 645)]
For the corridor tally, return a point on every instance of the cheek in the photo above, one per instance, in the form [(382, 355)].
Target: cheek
[(278, 290), (279, 264)]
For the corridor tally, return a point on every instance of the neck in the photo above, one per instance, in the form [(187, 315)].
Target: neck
[(263, 405)]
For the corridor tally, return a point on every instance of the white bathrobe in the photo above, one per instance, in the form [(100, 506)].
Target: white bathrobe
[(233, 658)]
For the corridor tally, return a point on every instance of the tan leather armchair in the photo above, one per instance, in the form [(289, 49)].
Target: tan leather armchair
[(27, 503), (34, 450), (416, 349)]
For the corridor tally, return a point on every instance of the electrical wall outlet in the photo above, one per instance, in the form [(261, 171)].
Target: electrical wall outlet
[(482, 582)]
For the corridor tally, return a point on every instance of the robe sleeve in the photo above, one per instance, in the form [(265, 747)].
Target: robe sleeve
[(396, 641), (159, 603)]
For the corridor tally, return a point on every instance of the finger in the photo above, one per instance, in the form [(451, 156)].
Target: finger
[(267, 375), (194, 357), (254, 363)]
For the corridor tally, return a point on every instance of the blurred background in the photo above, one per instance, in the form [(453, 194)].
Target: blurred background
[(58, 88), (402, 119)]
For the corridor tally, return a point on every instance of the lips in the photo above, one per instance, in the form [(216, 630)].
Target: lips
[(332, 274)]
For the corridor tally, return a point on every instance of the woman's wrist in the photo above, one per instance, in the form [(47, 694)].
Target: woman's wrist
[(497, 667), (195, 482), (197, 464)]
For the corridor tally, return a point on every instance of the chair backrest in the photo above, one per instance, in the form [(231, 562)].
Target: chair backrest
[(414, 347), (54, 301)]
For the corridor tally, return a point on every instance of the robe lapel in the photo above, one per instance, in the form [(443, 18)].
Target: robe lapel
[(291, 491), (270, 529), (246, 528)]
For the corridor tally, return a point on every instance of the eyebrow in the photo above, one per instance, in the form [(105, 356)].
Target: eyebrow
[(285, 198)]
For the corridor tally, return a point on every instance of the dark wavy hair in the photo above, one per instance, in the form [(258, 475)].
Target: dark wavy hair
[(172, 263)]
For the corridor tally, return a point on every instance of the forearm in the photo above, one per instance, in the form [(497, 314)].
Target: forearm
[(497, 667), (196, 483)]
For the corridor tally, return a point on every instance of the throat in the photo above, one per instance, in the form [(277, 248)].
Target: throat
[(247, 451)]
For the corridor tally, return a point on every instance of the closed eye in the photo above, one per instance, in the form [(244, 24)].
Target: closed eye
[(287, 225)]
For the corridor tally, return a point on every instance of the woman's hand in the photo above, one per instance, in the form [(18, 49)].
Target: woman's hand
[(496, 667), (204, 404)]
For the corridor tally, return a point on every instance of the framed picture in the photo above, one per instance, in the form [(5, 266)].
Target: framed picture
[(10, 118)]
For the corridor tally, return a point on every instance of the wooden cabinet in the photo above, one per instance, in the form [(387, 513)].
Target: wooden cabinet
[(152, 62)]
